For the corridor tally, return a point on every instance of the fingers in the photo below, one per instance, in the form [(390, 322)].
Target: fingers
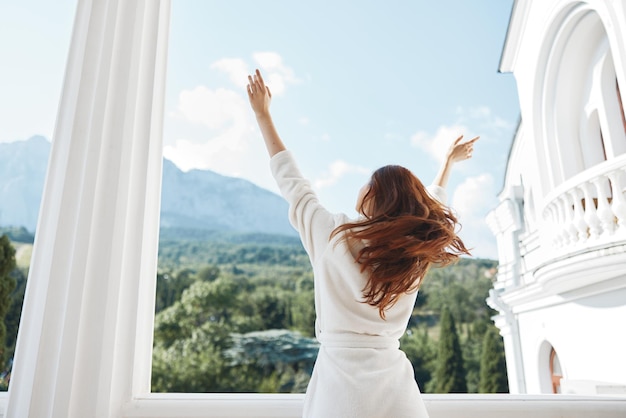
[(471, 141), (251, 86), (259, 78), (256, 84), (469, 148), (463, 150)]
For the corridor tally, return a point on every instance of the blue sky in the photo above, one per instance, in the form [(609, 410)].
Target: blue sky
[(356, 84)]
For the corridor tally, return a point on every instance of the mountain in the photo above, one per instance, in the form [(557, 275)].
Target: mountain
[(194, 200), (207, 200), (23, 167)]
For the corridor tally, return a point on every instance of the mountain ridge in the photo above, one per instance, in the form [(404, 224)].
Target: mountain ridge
[(197, 199)]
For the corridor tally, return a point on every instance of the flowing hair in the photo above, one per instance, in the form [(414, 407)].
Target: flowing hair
[(405, 231)]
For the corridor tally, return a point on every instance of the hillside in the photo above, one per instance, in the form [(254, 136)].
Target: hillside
[(246, 308), (235, 312)]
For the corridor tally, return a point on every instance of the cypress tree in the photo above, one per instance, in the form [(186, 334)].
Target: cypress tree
[(449, 372), (493, 377), (7, 284)]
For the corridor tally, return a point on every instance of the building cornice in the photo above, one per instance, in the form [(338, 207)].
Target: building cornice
[(514, 35), (570, 278)]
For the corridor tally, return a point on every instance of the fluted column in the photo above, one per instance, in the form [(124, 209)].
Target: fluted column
[(85, 336)]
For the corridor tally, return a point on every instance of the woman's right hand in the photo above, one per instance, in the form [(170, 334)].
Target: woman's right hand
[(260, 98), (259, 94)]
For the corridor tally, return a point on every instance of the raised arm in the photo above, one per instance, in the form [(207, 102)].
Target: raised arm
[(260, 97), (458, 151)]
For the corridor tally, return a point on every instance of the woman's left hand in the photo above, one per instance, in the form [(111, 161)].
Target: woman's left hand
[(460, 151)]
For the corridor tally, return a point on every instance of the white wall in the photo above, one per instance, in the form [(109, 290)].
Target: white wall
[(588, 336)]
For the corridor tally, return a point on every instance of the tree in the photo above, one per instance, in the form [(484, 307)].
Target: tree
[(170, 287), (12, 319), (303, 312), (190, 337), (208, 273), (449, 371), (7, 284), (271, 307), (421, 352), (493, 377)]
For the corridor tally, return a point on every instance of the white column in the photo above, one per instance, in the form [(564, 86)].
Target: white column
[(85, 336), (508, 324)]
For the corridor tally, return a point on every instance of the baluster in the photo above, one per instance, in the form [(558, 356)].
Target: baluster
[(557, 224), (591, 215), (578, 221), (570, 229), (607, 219), (562, 221), (551, 222), (618, 205)]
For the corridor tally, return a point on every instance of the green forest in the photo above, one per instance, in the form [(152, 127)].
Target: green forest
[(235, 313)]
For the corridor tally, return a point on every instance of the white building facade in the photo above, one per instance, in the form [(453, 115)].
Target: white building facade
[(561, 221)]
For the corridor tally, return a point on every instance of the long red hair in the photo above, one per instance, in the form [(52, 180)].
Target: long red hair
[(404, 231)]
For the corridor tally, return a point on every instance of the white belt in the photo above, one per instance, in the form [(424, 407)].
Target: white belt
[(357, 341)]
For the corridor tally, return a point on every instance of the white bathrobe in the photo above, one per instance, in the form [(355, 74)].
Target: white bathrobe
[(360, 371)]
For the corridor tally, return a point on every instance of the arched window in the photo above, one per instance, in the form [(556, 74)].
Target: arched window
[(582, 111), (621, 104), (556, 374)]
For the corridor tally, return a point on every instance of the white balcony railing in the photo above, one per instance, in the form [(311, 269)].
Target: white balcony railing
[(171, 405), (589, 209)]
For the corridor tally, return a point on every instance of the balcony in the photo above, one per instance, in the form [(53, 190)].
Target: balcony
[(580, 239), (439, 406), (588, 211)]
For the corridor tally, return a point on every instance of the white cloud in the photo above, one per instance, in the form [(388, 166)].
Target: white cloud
[(472, 200), (236, 68), (215, 109), (277, 74), (231, 136), (222, 152), (475, 195), (336, 171), (437, 145)]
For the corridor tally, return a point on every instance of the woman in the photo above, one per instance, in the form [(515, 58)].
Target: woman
[(367, 273)]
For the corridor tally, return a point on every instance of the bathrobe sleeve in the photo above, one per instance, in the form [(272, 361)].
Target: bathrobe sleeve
[(438, 193), (312, 221)]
